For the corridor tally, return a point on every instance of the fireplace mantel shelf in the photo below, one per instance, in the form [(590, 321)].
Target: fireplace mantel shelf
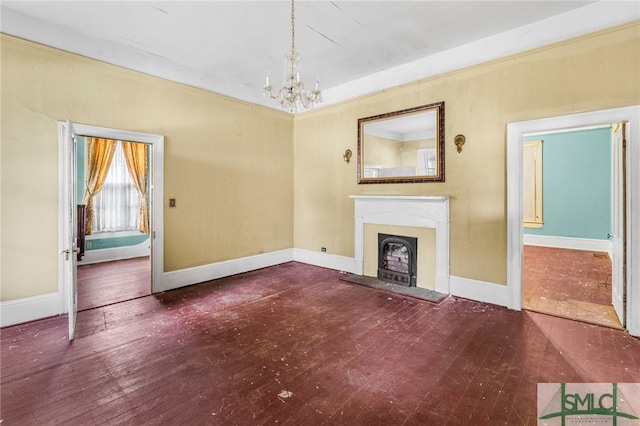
[(406, 210), (423, 198)]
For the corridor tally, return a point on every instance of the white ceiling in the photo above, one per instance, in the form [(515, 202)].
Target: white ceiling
[(355, 47)]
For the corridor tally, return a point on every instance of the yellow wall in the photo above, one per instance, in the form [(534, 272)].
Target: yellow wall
[(231, 167), (228, 163), (594, 72), (383, 152)]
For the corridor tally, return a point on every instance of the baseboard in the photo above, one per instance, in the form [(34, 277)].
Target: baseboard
[(47, 305), (29, 308), (200, 274), (568, 243), (326, 260), (116, 253), (480, 291), (462, 287)]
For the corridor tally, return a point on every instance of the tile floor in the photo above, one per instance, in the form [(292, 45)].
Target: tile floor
[(574, 284)]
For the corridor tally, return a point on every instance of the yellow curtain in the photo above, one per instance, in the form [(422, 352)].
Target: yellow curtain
[(99, 156), (136, 156)]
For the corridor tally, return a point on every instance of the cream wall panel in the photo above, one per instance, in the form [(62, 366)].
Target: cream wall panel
[(385, 152), (228, 163), (231, 167), (594, 72)]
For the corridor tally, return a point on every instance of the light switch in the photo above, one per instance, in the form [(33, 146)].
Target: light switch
[(172, 202)]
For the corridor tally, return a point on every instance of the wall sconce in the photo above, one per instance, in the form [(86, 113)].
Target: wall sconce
[(459, 140), (347, 156)]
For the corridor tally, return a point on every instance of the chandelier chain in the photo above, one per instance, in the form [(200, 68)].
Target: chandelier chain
[(293, 26)]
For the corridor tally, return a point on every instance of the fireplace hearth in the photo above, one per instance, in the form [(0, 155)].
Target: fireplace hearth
[(397, 259)]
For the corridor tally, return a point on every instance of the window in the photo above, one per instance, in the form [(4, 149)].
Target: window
[(117, 205), (532, 184), (427, 161)]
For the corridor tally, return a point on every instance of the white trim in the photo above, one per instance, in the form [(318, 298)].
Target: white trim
[(412, 211), (212, 271), (326, 260), (584, 20), (39, 307), (587, 244), (577, 22), (29, 309), (572, 130), (481, 291), (43, 306), (515, 134), (116, 253)]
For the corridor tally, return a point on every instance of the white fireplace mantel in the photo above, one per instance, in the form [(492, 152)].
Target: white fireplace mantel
[(413, 211)]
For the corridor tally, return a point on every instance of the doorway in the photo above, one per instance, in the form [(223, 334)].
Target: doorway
[(515, 136), (67, 214), (115, 264), (568, 210)]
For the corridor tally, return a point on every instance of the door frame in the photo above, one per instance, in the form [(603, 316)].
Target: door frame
[(156, 196), (515, 133)]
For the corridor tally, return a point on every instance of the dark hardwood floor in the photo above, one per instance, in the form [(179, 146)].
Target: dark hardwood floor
[(101, 284), (294, 344), (574, 284)]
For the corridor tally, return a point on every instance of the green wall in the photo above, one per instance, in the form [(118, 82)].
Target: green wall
[(576, 187)]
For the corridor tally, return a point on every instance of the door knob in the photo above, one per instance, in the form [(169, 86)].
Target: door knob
[(67, 252)]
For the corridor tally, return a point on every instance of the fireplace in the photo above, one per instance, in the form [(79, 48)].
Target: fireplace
[(397, 259), (411, 211)]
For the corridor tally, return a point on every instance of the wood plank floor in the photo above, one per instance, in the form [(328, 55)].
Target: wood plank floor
[(101, 284), (574, 284), (293, 344)]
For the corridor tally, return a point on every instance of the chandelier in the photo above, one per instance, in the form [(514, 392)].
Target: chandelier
[(293, 96)]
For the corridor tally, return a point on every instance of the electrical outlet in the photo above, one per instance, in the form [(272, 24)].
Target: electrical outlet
[(172, 202), (89, 244), (323, 249)]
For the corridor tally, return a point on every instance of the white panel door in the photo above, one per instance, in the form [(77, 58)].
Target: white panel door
[(70, 228), (618, 237)]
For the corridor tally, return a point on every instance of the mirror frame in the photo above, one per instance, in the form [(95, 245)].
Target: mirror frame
[(438, 177)]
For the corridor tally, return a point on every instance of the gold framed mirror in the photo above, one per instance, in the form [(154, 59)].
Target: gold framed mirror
[(402, 146)]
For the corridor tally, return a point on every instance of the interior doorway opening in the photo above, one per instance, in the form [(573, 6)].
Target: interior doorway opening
[(115, 261), (568, 208), (627, 286), (68, 137)]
